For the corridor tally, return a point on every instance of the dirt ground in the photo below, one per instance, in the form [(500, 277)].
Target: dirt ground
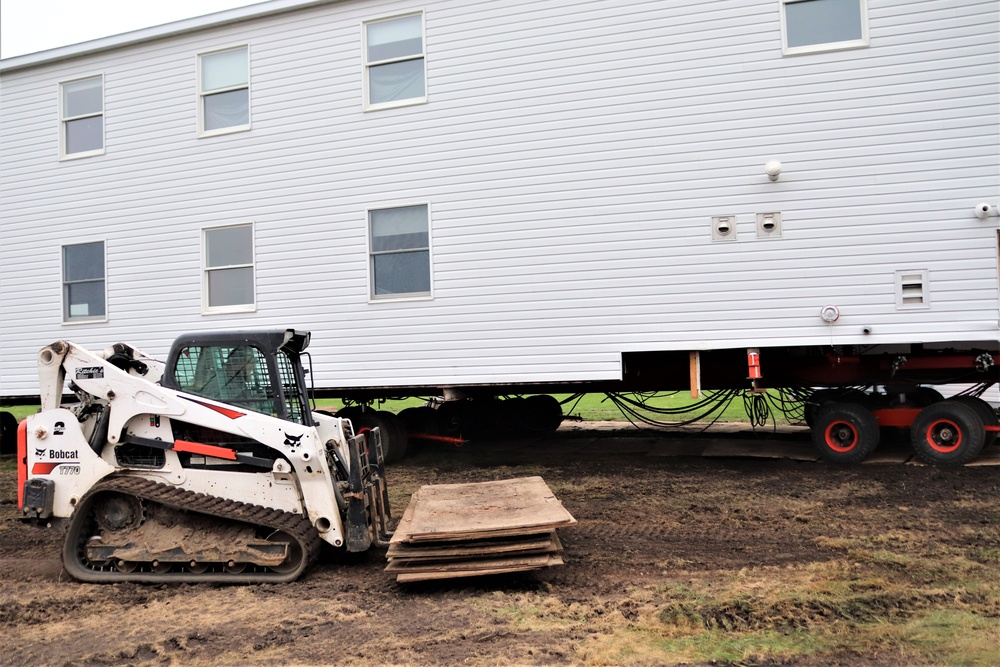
[(675, 560)]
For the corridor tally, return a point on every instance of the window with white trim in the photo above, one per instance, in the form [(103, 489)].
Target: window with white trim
[(823, 25), (224, 91), (399, 252), (81, 117), (84, 282), (228, 274), (394, 62)]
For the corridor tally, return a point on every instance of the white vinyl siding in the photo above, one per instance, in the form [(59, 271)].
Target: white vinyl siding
[(228, 281), (81, 104), (395, 73), (823, 25), (224, 91), (399, 252), (84, 282)]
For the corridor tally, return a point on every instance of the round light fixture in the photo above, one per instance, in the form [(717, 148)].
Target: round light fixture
[(830, 314)]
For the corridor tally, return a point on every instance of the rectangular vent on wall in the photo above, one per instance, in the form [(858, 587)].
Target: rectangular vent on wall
[(912, 289)]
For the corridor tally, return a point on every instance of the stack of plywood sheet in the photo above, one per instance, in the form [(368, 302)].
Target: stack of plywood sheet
[(469, 530)]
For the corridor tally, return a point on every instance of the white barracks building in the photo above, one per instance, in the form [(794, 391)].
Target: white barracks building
[(514, 193)]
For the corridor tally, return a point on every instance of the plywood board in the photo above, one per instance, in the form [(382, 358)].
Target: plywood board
[(460, 549), (404, 578), (521, 506), (475, 567)]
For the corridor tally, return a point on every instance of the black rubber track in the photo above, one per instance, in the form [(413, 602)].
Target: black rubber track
[(295, 525)]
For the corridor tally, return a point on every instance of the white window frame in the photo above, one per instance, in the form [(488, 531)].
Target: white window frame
[(64, 120), (206, 309), (63, 295), (202, 94), (830, 46), (904, 278), (369, 256), (366, 66)]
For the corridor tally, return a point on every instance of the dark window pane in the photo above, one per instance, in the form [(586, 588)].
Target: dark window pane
[(82, 97), (822, 22), (396, 81), (228, 246), (402, 273), (83, 262), (85, 134), (230, 109), (230, 287), (397, 38), (224, 70), (400, 228), (85, 299)]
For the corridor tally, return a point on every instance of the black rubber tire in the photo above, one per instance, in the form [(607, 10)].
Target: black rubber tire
[(916, 397), (542, 413), (985, 412), (947, 433), (822, 398), (8, 433), (369, 418), (845, 433), (454, 417), (420, 420), (398, 442)]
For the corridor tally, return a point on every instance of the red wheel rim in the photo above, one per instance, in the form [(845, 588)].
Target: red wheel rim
[(944, 436), (841, 437)]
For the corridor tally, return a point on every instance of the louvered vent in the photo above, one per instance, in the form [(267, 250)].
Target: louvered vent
[(912, 289)]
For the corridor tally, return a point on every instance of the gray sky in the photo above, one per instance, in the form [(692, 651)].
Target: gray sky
[(27, 26)]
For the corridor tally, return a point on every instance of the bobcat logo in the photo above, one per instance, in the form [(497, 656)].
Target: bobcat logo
[(39, 453), (292, 440)]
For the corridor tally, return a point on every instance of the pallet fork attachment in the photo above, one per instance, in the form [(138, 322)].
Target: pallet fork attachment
[(368, 511)]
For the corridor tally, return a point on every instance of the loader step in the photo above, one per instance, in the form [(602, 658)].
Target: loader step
[(466, 530)]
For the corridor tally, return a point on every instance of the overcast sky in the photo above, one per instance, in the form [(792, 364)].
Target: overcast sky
[(27, 26)]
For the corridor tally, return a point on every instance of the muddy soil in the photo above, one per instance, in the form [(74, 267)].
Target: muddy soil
[(648, 523)]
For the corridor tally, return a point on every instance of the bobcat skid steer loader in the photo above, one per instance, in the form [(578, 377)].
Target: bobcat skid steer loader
[(209, 468)]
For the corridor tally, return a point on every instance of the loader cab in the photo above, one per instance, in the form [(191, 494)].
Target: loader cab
[(259, 371)]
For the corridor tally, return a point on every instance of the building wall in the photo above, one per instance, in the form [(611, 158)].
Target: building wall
[(572, 154)]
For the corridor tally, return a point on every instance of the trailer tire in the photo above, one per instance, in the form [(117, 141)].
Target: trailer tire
[(389, 426), (399, 439), (845, 433), (541, 413), (985, 412), (420, 420), (947, 433), (823, 398), (8, 433)]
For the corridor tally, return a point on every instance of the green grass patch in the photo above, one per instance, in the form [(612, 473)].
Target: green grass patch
[(589, 407)]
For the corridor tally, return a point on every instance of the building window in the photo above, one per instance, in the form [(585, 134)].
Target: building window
[(82, 117), (823, 25), (399, 245), (228, 284), (224, 91), (394, 62), (84, 284)]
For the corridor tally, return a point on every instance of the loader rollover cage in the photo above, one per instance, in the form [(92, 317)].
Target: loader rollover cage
[(256, 370)]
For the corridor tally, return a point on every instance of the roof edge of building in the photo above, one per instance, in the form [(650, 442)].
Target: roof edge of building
[(236, 15)]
